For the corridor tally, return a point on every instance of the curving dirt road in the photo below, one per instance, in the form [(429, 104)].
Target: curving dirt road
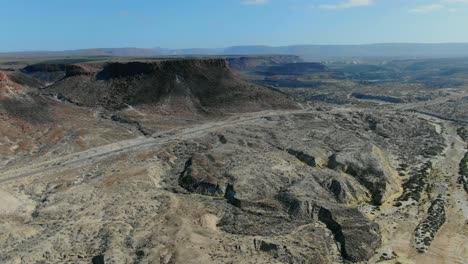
[(94, 154)]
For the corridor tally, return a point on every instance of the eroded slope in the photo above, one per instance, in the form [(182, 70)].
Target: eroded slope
[(264, 191)]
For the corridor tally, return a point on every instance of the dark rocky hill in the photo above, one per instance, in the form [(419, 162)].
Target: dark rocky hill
[(176, 87)]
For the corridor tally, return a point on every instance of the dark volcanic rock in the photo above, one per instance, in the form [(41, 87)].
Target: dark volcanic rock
[(358, 236), (122, 70), (415, 185), (201, 179), (428, 228), (463, 177), (175, 87)]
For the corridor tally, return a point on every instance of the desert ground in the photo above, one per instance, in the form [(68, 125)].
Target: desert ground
[(222, 160)]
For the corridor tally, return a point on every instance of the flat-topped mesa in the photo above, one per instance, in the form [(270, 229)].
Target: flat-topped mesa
[(57, 70), (45, 67), (46, 73), (188, 86), (179, 66)]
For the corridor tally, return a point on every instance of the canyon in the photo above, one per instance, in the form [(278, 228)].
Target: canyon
[(195, 160)]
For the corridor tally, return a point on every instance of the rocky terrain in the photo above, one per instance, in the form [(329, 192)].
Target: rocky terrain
[(193, 86), (184, 161)]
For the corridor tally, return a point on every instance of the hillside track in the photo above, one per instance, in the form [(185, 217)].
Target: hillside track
[(95, 154)]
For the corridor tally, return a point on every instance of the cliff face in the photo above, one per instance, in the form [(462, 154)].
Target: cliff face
[(205, 86), (45, 67), (46, 72)]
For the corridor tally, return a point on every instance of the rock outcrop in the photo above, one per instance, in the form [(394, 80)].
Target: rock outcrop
[(463, 177), (430, 225), (47, 73), (371, 168), (284, 190), (357, 236)]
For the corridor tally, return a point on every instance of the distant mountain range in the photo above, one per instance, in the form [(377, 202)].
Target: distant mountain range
[(413, 50)]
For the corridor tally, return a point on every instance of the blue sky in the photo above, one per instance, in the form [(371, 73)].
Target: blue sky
[(61, 24)]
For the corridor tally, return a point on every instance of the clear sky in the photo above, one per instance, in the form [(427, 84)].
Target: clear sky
[(63, 24)]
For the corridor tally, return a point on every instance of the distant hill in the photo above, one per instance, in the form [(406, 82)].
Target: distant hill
[(246, 63), (411, 50), (178, 87)]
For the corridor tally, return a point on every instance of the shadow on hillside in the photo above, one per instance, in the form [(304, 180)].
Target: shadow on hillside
[(29, 111)]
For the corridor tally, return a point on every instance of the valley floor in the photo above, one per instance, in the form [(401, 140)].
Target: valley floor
[(129, 202)]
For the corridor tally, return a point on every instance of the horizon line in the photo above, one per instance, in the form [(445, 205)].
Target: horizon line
[(241, 45)]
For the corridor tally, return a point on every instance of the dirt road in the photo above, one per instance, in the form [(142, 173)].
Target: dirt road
[(94, 154)]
